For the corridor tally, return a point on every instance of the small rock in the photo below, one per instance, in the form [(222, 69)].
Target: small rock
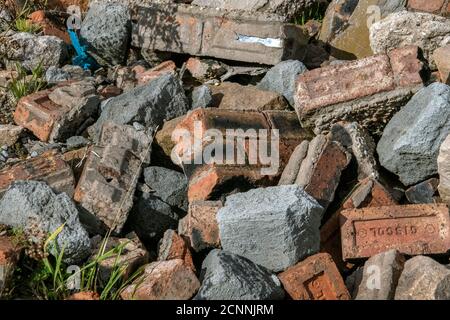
[(422, 192), (202, 97), (410, 143), (32, 50), (163, 280), (168, 185), (84, 295), (205, 69), (107, 31), (76, 142), (282, 78), (227, 276), (55, 75), (380, 276), (33, 206), (427, 31), (444, 170), (172, 246), (274, 227), (9, 134), (423, 279), (441, 57)]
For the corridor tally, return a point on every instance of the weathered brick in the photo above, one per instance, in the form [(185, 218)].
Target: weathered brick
[(107, 184), (205, 69), (441, 7), (216, 33), (9, 256), (320, 171), (49, 167), (368, 91), (49, 28), (57, 113), (200, 225), (172, 246), (411, 229), (163, 280), (75, 159), (233, 96), (368, 193), (292, 168), (145, 76), (315, 278), (163, 138), (441, 57)]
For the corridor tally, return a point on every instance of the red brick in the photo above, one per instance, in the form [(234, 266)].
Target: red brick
[(49, 167), (173, 246), (431, 6), (110, 91), (368, 91), (9, 256), (145, 76), (411, 229), (49, 28), (315, 278), (368, 193), (200, 226)]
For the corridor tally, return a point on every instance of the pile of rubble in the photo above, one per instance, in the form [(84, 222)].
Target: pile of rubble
[(351, 203)]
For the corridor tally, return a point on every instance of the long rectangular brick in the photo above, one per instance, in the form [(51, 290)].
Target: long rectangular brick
[(49, 167), (368, 193), (56, 114), (368, 91), (411, 229), (315, 278), (199, 31), (107, 184)]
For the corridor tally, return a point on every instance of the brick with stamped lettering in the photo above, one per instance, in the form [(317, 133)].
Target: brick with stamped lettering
[(315, 278), (411, 229)]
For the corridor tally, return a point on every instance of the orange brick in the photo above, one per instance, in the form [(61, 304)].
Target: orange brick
[(411, 229), (145, 76), (368, 193), (173, 246), (49, 28), (200, 225), (9, 256), (315, 278), (49, 167)]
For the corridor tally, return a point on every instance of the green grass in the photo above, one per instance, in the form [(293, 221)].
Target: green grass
[(48, 278), (315, 12), (25, 84), (25, 25)]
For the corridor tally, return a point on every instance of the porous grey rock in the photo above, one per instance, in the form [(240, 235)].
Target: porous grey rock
[(168, 185), (32, 50), (202, 97), (151, 104), (380, 276), (425, 30), (410, 142), (107, 31), (282, 79), (151, 217), (55, 75), (33, 206), (275, 227), (5, 18), (444, 170), (287, 8), (76, 142), (423, 279), (226, 276)]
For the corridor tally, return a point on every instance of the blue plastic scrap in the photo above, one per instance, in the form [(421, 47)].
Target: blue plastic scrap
[(81, 59)]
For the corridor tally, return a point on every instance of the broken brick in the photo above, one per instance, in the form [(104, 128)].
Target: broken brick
[(49, 28), (49, 167), (216, 33), (107, 184), (411, 229), (368, 193), (9, 257), (422, 192), (205, 69), (441, 7), (368, 91), (163, 280), (234, 96), (57, 113), (441, 57), (315, 278), (173, 246), (200, 225), (145, 76), (320, 171)]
